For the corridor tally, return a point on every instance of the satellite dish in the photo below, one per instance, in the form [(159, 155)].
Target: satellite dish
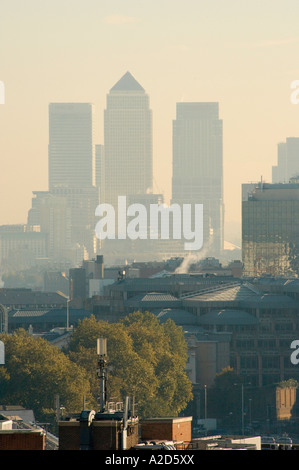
[(2, 353)]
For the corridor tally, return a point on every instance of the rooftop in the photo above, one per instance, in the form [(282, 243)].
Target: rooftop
[(237, 293), (154, 297), (180, 317), (244, 295), (228, 317), (127, 83), (28, 297)]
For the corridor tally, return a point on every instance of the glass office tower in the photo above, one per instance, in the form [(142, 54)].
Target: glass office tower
[(270, 230)]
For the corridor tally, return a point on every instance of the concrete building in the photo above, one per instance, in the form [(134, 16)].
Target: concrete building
[(88, 280), (21, 247), (262, 326), (198, 167), (26, 299)]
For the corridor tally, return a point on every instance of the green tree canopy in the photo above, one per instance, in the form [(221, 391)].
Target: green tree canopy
[(146, 361), (227, 379), (35, 372)]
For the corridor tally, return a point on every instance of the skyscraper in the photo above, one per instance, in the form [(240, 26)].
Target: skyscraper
[(71, 148), (287, 161), (197, 167), (127, 141), (67, 211)]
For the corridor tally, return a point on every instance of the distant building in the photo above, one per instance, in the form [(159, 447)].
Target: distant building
[(198, 167), (287, 161), (21, 247), (71, 146), (262, 325), (48, 322), (56, 281), (270, 230), (125, 166), (127, 141), (25, 299), (66, 213), (100, 170)]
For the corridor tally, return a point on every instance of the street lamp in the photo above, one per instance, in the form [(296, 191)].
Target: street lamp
[(206, 414), (242, 407), (67, 314)]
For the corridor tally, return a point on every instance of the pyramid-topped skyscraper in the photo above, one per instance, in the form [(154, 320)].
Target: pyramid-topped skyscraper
[(128, 159), (127, 83)]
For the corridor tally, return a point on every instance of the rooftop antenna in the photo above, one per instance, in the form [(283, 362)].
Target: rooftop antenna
[(102, 371)]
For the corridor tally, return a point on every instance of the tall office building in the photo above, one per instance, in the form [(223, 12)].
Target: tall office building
[(125, 162), (128, 155), (270, 230), (71, 147), (66, 212), (197, 167), (99, 168), (287, 161), (72, 167)]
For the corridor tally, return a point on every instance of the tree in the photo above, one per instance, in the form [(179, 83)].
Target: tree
[(227, 379), (224, 397), (35, 372), (146, 361)]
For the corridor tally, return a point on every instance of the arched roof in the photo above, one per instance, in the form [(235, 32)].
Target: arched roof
[(180, 317)]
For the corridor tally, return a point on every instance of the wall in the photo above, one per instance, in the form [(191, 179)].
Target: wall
[(168, 429), (21, 440)]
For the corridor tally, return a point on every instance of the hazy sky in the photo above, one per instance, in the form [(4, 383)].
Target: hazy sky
[(241, 53)]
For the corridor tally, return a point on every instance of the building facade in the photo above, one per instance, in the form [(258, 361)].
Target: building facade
[(197, 167), (287, 161), (71, 146), (127, 141), (66, 212), (270, 230)]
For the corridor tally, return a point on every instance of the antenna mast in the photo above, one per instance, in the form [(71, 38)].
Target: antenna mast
[(102, 371)]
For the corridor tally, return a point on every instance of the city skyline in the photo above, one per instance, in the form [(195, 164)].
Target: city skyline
[(246, 62)]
